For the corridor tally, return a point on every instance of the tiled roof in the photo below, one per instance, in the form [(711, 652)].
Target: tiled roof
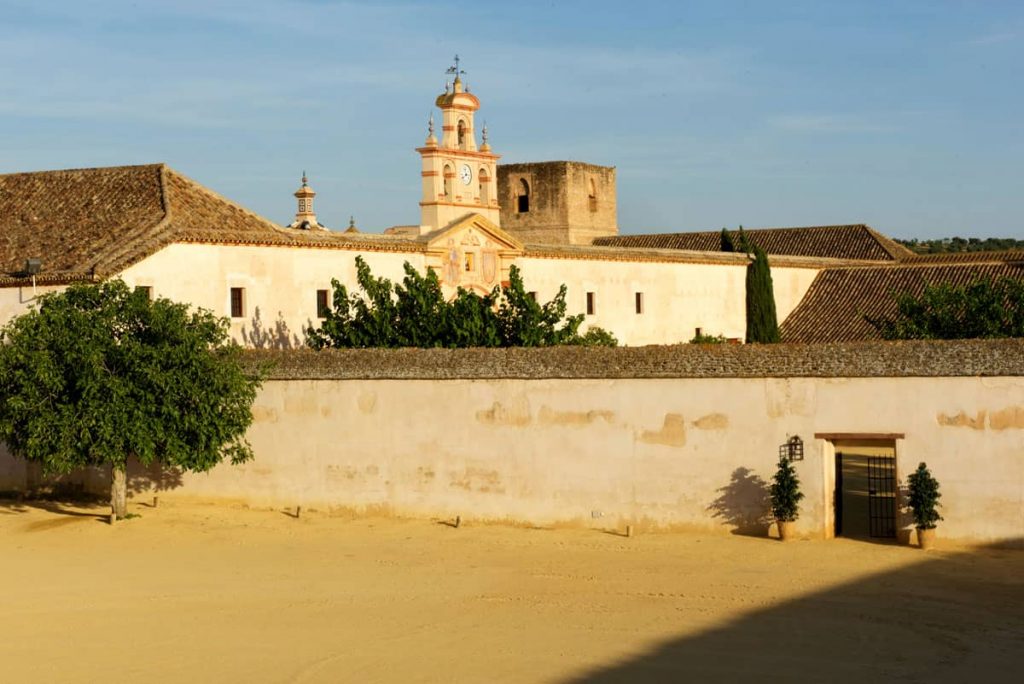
[(835, 306), (96, 222), (1011, 256), (836, 242)]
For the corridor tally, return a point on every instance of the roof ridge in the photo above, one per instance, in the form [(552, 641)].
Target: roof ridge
[(81, 169), (107, 260), (897, 251), (196, 185)]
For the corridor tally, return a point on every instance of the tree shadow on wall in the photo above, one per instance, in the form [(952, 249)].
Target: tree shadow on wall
[(86, 487), (744, 504), (279, 336)]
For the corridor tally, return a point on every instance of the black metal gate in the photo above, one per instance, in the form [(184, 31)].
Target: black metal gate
[(882, 496)]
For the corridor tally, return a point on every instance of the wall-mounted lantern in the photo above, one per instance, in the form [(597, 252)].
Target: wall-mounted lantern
[(32, 267), (792, 449)]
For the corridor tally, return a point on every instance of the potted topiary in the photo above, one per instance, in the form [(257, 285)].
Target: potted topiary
[(786, 495), (923, 498)]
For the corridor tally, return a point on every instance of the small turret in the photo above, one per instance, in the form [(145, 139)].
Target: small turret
[(305, 217)]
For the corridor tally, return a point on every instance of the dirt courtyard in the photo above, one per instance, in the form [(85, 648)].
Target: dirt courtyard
[(202, 593)]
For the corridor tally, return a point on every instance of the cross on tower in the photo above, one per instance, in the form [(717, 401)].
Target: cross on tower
[(454, 69)]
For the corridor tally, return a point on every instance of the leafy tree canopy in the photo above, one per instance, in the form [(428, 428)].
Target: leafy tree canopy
[(415, 314), (959, 244), (97, 374), (982, 308)]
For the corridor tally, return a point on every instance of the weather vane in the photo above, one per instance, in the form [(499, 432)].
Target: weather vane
[(454, 69)]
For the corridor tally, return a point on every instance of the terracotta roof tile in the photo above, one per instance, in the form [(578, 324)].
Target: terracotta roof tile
[(95, 222), (837, 242), (834, 307)]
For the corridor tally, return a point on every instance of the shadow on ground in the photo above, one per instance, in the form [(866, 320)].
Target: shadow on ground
[(951, 617)]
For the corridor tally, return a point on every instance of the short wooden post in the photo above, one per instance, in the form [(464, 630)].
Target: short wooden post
[(113, 517), (156, 501), (298, 511), (458, 521), (629, 530)]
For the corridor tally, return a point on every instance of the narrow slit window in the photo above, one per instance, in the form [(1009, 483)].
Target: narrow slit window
[(237, 302), (470, 262), (321, 304), (591, 303), (639, 302)]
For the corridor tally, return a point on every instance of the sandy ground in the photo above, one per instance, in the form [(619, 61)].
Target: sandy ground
[(204, 593)]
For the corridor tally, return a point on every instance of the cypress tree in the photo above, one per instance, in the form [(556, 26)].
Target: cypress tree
[(762, 323), (726, 242)]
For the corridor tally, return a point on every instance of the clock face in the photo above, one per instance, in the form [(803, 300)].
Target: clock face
[(466, 174)]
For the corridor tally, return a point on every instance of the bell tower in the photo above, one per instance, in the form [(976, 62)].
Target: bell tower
[(458, 177)]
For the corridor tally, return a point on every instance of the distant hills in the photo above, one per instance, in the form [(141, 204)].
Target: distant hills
[(959, 244)]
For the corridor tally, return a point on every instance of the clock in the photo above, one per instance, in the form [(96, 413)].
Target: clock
[(466, 174)]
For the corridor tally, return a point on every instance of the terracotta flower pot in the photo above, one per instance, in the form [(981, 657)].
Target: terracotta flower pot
[(787, 529), (926, 538)]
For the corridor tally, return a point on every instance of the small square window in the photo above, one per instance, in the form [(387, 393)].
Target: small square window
[(591, 303), (639, 302), (321, 304), (698, 332), (237, 302), (145, 290), (532, 294)]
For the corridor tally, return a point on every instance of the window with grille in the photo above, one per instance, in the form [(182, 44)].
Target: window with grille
[(237, 302), (321, 304)]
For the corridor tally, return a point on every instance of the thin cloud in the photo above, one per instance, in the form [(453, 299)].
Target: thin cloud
[(827, 123), (994, 38)]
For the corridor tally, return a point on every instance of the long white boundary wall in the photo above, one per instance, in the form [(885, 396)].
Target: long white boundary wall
[(652, 452)]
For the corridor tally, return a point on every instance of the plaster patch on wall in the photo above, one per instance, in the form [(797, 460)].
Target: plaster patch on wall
[(672, 432), (302, 405), (1009, 418), (789, 397), (961, 419), (516, 413), (478, 480), (264, 414), (712, 421), (549, 416), (367, 402)]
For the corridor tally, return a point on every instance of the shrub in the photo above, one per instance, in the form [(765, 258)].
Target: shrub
[(785, 492), (923, 498)]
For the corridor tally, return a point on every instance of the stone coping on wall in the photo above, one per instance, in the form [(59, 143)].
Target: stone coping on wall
[(953, 358)]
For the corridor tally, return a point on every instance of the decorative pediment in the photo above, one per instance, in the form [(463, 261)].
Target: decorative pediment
[(475, 230)]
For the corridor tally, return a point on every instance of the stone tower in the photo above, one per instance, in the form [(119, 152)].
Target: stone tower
[(458, 177), (561, 202)]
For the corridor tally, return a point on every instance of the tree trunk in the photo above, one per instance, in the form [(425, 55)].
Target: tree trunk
[(118, 491)]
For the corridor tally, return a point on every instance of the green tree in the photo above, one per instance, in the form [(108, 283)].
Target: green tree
[(923, 497), (982, 308), (415, 314), (762, 323), (785, 492), (726, 243), (98, 374)]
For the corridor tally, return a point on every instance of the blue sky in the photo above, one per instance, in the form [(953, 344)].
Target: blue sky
[(906, 115)]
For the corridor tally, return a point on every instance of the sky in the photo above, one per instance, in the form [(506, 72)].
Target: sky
[(908, 115)]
